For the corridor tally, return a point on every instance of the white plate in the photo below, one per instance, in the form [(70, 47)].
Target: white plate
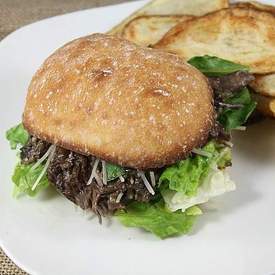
[(48, 236)]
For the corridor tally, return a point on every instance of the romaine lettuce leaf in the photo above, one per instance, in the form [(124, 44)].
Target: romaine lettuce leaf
[(225, 158), (193, 211), (215, 184), (17, 135), (24, 178), (214, 66), (156, 219), (186, 175), (233, 118)]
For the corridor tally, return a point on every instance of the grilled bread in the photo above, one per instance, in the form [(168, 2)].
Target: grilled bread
[(173, 7), (241, 35), (254, 4), (149, 29)]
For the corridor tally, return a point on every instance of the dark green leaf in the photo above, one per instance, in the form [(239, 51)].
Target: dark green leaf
[(24, 178), (233, 118), (114, 171), (214, 66), (17, 136), (156, 219)]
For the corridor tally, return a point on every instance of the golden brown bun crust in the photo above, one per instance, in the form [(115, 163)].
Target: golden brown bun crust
[(133, 106)]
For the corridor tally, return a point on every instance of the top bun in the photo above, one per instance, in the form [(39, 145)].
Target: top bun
[(104, 96)]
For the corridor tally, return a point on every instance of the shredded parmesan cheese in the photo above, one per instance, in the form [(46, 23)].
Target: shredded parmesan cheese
[(228, 143), (51, 154), (42, 158), (202, 153), (120, 195), (104, 172), (240, 128), (153, 179), (121, 179), (94, 173), (146, 183)]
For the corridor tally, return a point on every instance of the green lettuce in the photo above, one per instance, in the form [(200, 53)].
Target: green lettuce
[(114, 171), (193, 211), (24, 178), (216, 183), (187, 175), (233, 118), (214, 66), (225, 158), (157, 219), (17, 136)]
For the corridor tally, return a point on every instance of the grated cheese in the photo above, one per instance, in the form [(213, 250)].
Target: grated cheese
[(51, 155), (42, 158), (104, 172), (120, 195), (94, 173), (202, 153), (121, 179), (146, 183), (152, 177)]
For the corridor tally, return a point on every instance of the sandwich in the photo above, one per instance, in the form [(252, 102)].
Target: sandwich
[(129, 131)]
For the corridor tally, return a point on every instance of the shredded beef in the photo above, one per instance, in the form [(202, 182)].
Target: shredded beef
[(33, 150), (69, 172), (218, 132), (224, 86), (104, 200)]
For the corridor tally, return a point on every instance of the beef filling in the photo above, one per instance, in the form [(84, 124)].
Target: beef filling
[(69, 172), (33, 150), (218, 132), (225, 86)]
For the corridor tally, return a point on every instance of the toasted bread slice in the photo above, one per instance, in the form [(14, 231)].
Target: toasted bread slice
[(149, 29), (264, 84), (194, 7), (254, 4), (265, 104), (241, 35), (173, 7), (137, 107)]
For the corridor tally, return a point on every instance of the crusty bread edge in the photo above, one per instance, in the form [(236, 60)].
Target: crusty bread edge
[(176, 155)]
